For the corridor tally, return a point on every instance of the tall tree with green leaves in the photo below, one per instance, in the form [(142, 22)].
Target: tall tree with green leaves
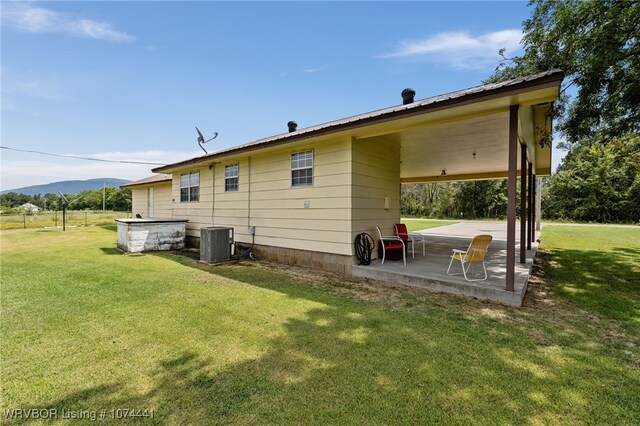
[(597, 45), (597, 182)]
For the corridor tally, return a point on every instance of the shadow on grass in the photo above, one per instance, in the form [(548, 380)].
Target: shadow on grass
[(112, 228), (351, 365), (110, 250), (603, 282), (358, 362)]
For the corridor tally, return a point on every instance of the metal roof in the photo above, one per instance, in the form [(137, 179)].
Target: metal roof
[(378, 115), (151, 179)]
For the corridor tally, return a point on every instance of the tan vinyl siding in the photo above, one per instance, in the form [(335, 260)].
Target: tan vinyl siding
[(276, 209), (231, 207), (198, 212), (139, 201), (376, 175), (161, 199), (351, 179)]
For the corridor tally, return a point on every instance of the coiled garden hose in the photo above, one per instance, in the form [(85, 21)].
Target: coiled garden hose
[(364, 247)]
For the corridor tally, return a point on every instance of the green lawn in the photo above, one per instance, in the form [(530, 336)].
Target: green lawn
[(87, 328), (597, 268), (420, 224)]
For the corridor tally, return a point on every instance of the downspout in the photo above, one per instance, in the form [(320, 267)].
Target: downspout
[(212, 167), (173, 199), (253, 233), (249, 191)]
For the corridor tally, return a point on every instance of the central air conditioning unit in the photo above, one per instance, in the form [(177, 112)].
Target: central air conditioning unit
[(215, 244)]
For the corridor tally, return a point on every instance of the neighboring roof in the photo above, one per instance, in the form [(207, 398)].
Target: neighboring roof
[(148, 180), (29, 206), (448, 99)]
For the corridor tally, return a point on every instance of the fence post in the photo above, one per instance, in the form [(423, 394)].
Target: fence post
[(24, 221), (85, 219)]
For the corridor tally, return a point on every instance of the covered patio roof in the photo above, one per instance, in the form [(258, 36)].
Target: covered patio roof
[(441, 132)]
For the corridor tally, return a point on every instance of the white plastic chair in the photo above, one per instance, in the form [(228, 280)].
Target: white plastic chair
[(391, 242)]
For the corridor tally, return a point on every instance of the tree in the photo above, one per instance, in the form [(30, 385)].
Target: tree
[(481, 199), (597, 182), (597, 45), (52, 201), (471, 200), (119, 199), (14, 199), (420, 199)]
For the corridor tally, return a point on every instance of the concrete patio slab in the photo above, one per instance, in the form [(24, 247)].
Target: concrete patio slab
[(430, 272)]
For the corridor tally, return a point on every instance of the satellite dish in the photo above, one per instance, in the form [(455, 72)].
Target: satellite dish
[(201, 140), (63, 197), (66, 201)]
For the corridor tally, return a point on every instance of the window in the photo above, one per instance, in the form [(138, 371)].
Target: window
[(189, 187), (302, 168), (231, 177)]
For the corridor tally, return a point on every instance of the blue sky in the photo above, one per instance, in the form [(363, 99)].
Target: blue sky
[(130, 80)]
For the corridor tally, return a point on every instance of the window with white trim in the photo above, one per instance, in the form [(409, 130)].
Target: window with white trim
[(302, 168), (189, 187), (231, 177)]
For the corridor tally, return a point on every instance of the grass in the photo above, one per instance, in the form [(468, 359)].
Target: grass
[(86, 328), (49, 219), (598, 269), (414, 225)]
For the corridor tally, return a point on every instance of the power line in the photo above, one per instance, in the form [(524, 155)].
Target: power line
[(82, 158)]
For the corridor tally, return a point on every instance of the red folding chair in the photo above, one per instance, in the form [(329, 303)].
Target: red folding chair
[(409, 238)]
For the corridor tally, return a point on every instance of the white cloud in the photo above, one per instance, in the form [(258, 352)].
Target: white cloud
[(26, 83), (18, 172), (44, 89), (314, 70), (460, 50), (26, 17)]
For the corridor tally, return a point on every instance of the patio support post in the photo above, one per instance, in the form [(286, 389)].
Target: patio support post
[(538, 187), (511, 197), (523, 202), (534, 209), (530, 210)]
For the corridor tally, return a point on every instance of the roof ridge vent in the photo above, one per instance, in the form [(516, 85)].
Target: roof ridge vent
[(293, 126), (408, 95)]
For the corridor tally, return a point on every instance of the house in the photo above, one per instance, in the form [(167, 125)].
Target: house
[(151, 196), (302, 196), (29, 207)]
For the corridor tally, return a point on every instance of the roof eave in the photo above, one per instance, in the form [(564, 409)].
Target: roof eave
[(554, 77), (154, 182)]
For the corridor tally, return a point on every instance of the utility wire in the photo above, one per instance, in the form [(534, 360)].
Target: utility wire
[(82, 158)]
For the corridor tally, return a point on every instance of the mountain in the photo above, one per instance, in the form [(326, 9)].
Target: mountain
[(69, 186)]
